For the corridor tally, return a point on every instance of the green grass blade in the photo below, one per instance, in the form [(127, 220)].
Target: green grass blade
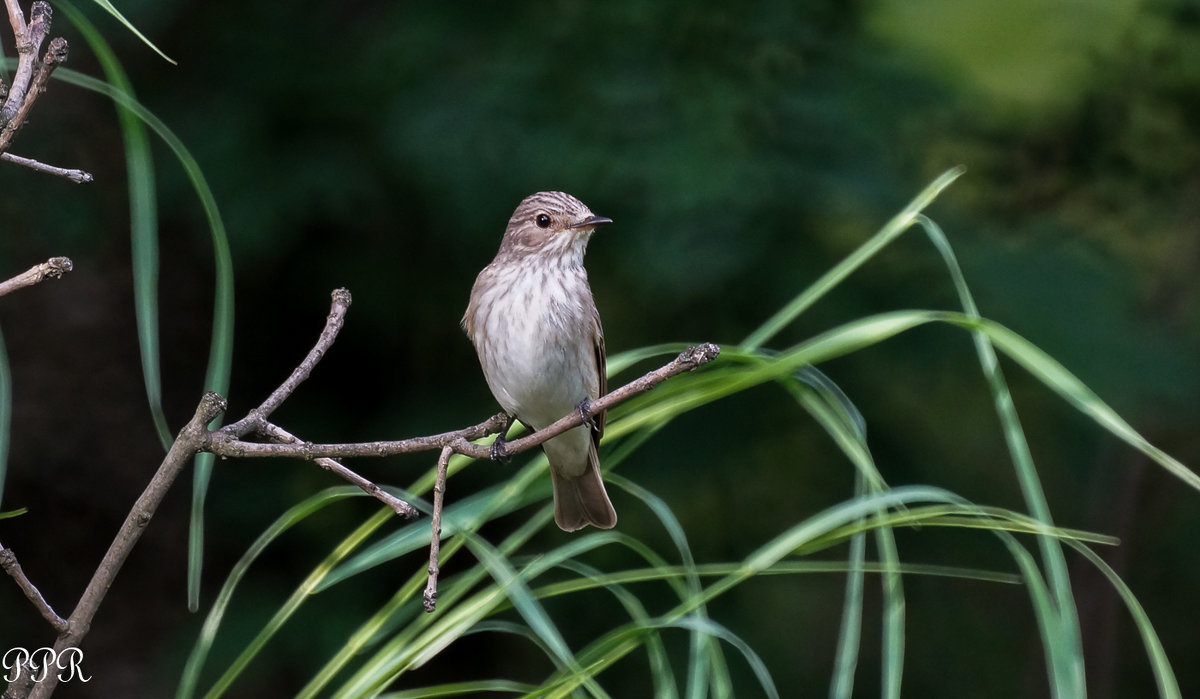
[(623, 360), (513, 628), (832, 409), (710, 628), (221, 347), (514, 586), (458, 615), (1066, 649), (610, 648), (108, 7), (456, 619), (791, 566), (702, 653), (401, 608), (890, 231), (294, 515), (845, 659), (465, 514), (660, 665), (401, 649), (894, 613), (1164, 676), (143, 219), (836, 413), (872, 330), (1050, 372), (462, 689), (306, 588), (836, 398)]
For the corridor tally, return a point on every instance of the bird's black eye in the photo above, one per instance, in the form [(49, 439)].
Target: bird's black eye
[(542, 220)]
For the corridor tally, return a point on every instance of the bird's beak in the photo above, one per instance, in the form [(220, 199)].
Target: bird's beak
[(591, 222)]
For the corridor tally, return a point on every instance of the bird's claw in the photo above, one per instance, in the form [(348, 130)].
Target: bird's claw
[(585, 413), (499, 450)]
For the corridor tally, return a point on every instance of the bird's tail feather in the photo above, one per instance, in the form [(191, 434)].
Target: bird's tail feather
[(581, 500)]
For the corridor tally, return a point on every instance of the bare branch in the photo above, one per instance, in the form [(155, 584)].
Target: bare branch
[(190, 440), (225, 444), (76, 176), (53, 268), (8, 561), (256, 419), (27, 51), (56, 54), (435, 537), (29, 42), (16, 17), (277, 434), (30, 81)]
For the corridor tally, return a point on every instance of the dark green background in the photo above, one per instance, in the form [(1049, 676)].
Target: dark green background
[(741, 149)]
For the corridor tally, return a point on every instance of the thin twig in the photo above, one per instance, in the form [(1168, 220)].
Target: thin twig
[(53, 268), (225, 444), (8, 561), (435, 537), (27, 52), (76, 176), (56, 55), (31, 77), (277, 434), (16, 17), (256, 419)]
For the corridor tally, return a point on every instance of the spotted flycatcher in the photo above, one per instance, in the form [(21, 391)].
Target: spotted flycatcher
[(538, 336)]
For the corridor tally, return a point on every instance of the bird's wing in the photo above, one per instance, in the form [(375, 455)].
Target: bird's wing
[(601, 372)]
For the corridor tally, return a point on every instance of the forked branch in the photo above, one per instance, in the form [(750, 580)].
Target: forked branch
[(227, 442), (30, 81)]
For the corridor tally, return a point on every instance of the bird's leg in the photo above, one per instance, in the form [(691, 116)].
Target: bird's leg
[(585, 413), (498, 450)]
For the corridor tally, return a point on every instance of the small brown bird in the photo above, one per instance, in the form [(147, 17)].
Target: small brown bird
[(537, 332)]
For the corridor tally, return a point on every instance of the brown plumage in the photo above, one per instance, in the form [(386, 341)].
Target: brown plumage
[(537, 332)]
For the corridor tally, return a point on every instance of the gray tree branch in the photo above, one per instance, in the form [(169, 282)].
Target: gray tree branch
[(193, 435), (8, 561), (227, 444), (76, 176), (30, 80), (53, 268), (435, 537)]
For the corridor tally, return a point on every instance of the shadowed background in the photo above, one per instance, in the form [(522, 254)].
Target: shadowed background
[(740, 151)]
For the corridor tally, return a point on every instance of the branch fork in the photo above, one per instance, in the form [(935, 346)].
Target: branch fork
[(30, 81), (228, 441)]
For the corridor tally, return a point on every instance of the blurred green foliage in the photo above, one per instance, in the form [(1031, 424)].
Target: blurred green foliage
[(741, 150)]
